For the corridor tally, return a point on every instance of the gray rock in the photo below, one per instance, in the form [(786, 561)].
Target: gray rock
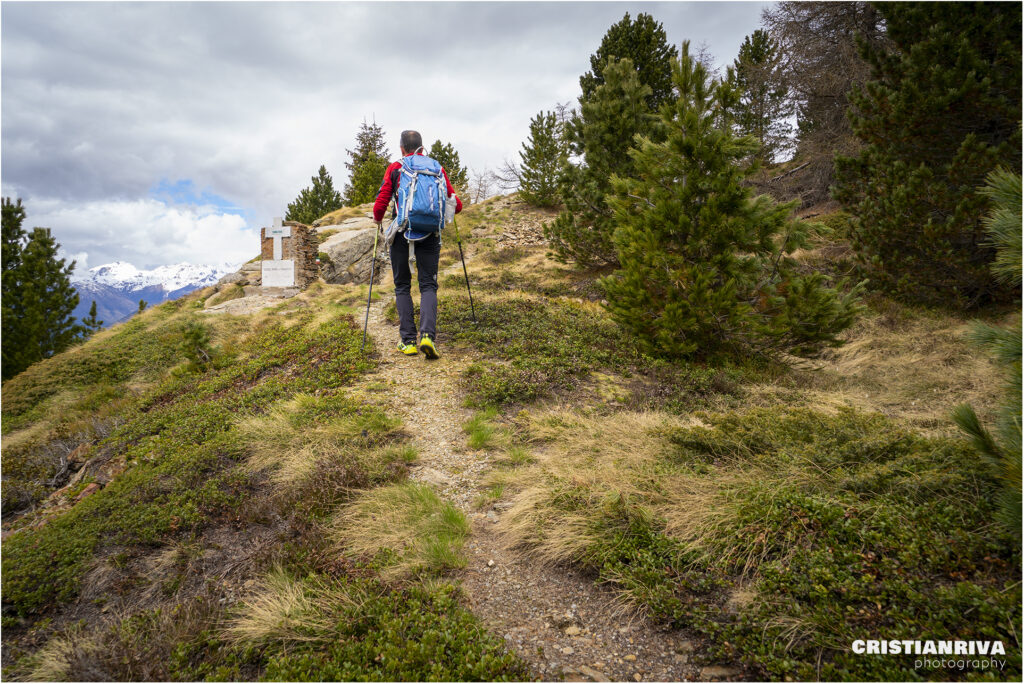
[(240, 277), (349, 257), (717, 671), (432, 476), (595, 675), (252, 267)]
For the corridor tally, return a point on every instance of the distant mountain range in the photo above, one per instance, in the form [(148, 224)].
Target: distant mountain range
[(118, 287)]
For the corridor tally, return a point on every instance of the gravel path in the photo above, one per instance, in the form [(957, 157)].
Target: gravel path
[(560, 622)]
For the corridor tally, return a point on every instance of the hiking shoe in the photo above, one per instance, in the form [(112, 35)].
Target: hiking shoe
[(407, 348), (427, 347)]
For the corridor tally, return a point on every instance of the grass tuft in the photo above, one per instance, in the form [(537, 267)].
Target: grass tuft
[(481, 431), (296, 435), (406, 528), (285, 610)]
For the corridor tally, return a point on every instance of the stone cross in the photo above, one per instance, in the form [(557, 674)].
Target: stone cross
[(279, 272), (277, 232)]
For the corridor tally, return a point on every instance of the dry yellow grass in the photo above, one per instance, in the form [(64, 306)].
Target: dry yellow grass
[(53, 662), (286, 610), (590, 469), (338, 215), (585, 466), (908, 365), (419, 532), (291, 448)]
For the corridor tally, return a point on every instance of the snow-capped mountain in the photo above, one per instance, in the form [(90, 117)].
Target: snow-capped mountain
[(118, 287), (124, 276)]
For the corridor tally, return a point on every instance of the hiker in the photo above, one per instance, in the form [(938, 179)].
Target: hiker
[(425, 235)]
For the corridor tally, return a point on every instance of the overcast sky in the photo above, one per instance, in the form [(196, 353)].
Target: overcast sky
[(156, 133)]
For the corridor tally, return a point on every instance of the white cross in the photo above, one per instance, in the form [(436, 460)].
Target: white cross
[(278, 231)]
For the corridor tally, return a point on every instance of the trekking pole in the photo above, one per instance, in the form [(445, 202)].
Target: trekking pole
[(373, 263), (458, 239)]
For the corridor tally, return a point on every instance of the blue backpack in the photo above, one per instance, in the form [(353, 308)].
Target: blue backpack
[(422, 197)]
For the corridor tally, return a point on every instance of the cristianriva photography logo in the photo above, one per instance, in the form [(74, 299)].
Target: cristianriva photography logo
[(930, 654)]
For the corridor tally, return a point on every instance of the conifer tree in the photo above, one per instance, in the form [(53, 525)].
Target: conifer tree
[(764, 108), (367, 164), (91, 324), (942, 110), (142, 306), (38, 297), (645, 44), (544, 156), (602, 134), (1002, 450), (705, 266), (13, 240), (458, 175), (315, 201)]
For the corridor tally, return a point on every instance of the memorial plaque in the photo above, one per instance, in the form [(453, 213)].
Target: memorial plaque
[(280, 273)]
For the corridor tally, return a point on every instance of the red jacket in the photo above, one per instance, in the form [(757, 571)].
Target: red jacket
[(390, 186)]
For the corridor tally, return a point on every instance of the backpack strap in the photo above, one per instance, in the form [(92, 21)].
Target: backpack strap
[(396, 176)]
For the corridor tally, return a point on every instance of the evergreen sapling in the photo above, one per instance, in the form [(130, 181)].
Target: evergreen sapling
[(602, 134), (367, 164), (544, 156), (705, 266)]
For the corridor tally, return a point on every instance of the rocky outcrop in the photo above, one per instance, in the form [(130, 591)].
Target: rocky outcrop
[(345, 256)]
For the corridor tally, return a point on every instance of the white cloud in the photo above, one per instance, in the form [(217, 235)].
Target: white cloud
[(146, 232), (102, 101)]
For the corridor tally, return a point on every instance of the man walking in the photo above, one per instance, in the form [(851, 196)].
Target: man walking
[(428, 249)]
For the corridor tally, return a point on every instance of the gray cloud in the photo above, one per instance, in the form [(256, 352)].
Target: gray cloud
[(103, 101)]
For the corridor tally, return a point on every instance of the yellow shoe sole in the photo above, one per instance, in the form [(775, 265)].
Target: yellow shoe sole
[(427, 347)]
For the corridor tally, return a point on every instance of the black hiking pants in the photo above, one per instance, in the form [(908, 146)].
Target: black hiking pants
[(427, 252)]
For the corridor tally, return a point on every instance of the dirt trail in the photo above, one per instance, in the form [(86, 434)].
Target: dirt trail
[(557, 620)]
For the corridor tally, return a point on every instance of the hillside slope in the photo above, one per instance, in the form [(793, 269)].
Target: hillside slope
[(544, 501)]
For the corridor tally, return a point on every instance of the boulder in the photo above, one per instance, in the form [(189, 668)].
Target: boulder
[(349, 255), (240, 277)]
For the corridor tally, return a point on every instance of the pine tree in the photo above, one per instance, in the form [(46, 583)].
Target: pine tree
[(645, 44), (602, 133), (142, 306), (942, 111), (458, 175), (315, 201), (91, 325), (1002, 450), (366, 165), (13, 240), (38, 296), (544, 156), (764, 108), (706, 266)]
